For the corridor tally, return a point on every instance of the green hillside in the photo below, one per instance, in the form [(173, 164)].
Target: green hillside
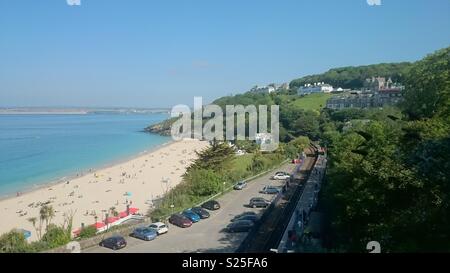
[(353, 76)]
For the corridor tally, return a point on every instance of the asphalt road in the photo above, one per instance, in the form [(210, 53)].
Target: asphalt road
[(206, 235)]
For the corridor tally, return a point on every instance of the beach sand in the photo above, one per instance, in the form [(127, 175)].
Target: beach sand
[(143, 177)]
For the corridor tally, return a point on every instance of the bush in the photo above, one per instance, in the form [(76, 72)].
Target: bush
[(56, 236), (204, 182), (88, 232), (13, 242)]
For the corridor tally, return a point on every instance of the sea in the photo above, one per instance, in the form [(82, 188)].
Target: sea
[(36, 149)]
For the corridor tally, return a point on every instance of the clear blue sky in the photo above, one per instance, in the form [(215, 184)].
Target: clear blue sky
[(146, 53)]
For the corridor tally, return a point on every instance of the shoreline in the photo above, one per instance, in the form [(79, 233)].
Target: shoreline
[(138, 180), (38, 185)]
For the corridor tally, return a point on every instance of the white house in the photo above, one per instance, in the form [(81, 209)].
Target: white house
[(318, 87), (263, 89)]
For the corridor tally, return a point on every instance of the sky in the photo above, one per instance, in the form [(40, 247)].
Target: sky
[(161, 53)]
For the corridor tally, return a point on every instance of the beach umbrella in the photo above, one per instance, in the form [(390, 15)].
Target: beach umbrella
[(123, 214), (133, 210), (99, 225), (110, 220), (26, 233)]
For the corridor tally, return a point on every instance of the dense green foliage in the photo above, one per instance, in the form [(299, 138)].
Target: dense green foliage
[(354, 77), (215, 169), (13, 242), (54, 236), (388, 177), (88, 232)]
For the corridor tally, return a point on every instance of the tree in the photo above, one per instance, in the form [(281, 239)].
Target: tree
[(88, 232), (46, 214), (307, 124), (428, 87), (354, 77), (13, 242), (33, 221), (56, 236), (204, 182), (217, 157), (258, 163)]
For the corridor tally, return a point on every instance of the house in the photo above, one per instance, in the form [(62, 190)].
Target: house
[(263, 89), (359, 99), (319, 87), (376, 84)]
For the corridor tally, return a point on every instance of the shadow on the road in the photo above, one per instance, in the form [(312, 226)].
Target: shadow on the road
[(230, 242)]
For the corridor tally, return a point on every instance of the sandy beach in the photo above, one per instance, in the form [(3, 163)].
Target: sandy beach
[(138, 181)]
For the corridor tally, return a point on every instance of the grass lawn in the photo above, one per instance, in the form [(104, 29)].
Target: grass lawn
[(311, 101), (240, 163)]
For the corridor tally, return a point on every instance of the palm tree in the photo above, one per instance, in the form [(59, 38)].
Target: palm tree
[(42, 217), (33, 221), (50, 214), (46, 213), (113, 211)]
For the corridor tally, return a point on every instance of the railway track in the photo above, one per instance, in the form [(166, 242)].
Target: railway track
[(268, 232)]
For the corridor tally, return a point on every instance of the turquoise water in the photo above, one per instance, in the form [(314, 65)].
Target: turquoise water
[(35, 149)]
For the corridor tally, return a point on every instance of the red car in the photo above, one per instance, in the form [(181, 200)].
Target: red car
[(180, 220)]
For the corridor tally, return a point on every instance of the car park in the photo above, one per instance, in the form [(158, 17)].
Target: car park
[(253, 218), (145, 233), (159, 227), (201, 212), (270, 190), (211, 205), (114, 242), (180, 220), (240, 226), (194, 217), (240, 185), (258, 202)]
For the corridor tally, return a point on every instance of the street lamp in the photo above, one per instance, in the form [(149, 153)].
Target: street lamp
[(172, 206)]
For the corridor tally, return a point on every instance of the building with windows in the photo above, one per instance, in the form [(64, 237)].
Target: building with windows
[(263, 89), (380, 83), (318, 87), (359, 99)]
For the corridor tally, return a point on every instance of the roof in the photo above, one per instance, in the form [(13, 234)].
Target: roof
[(133, 210), (99, 225)]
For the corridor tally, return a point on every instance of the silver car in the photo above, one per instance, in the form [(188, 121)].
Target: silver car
[(240, 185)]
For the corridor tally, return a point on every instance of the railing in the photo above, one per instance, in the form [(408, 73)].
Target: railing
[(306, 203), (275, 235)]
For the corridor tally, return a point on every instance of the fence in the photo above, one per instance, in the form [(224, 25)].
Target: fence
[(307, 201)]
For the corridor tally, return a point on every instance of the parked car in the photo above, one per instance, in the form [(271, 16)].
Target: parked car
[(159, 227), (201, 212), (270, 190), (243, 214), (194, 217), (281, 176), (145, 233), (211, 205), (253, 218), (258, 202), (114, 242), (180, 220), (240, 185), (240, 226)]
